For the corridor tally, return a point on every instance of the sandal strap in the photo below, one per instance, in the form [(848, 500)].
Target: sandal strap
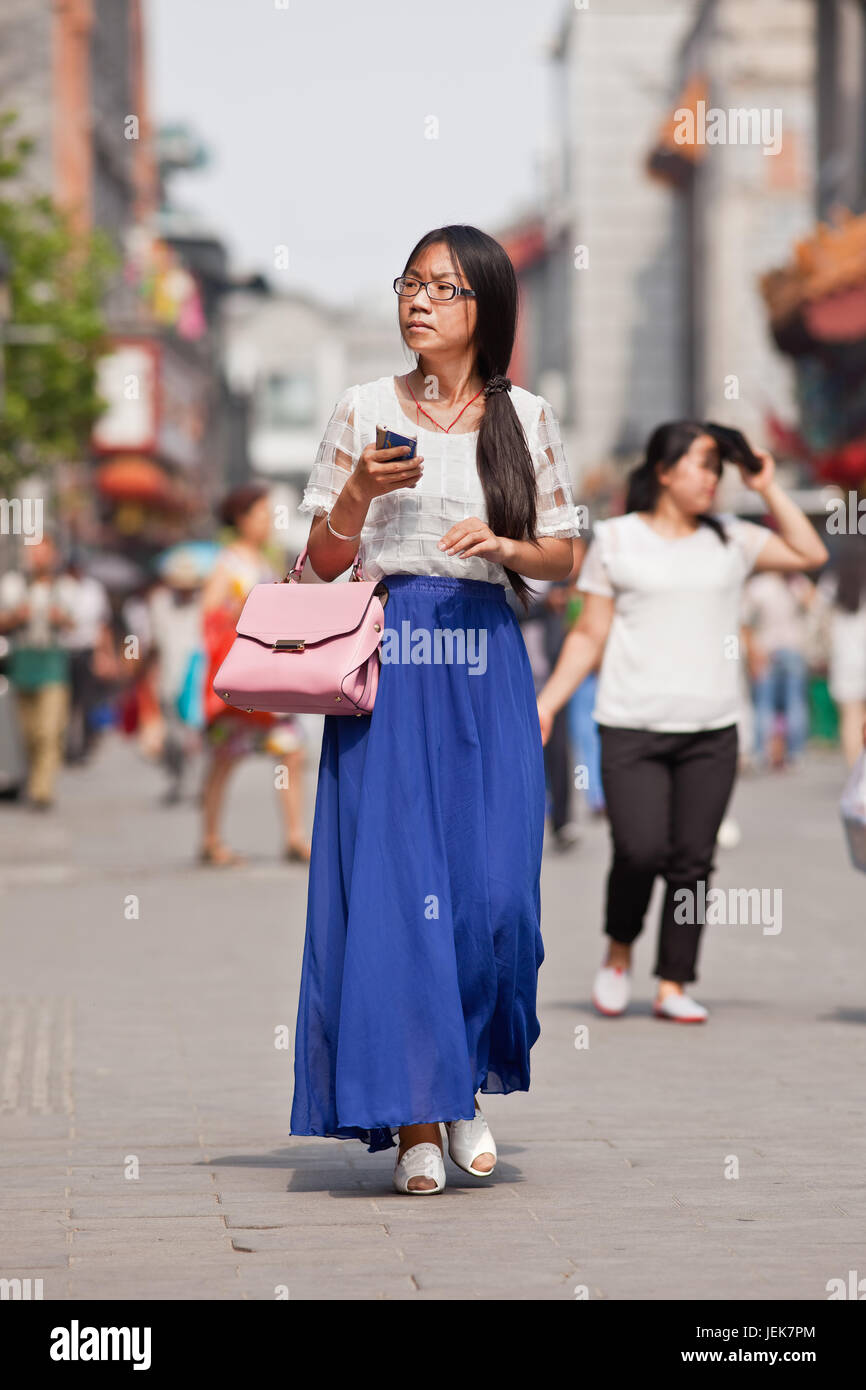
[(421, 1160), (472, 1136)]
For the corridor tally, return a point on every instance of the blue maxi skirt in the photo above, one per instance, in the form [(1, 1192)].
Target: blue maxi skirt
[(423, 933)]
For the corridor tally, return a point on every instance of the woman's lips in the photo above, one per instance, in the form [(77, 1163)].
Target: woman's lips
[(427, 327)]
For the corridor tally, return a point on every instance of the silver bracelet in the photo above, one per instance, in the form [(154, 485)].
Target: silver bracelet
[(339, 534)]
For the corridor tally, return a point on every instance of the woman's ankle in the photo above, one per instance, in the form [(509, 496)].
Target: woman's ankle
[(410, 1135), (618, 956), (666, 987)]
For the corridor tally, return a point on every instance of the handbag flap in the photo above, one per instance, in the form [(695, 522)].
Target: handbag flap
[(309, 612)]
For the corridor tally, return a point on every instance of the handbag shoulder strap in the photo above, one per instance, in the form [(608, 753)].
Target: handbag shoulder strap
[(295, 572)]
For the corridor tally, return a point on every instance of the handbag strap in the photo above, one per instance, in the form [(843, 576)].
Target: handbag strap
[(295, 572)]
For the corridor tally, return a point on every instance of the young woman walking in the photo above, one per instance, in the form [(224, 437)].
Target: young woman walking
[(423, 938), (662, 616)]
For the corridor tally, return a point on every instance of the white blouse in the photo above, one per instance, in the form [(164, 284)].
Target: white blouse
[(672, 658), (403, 528)]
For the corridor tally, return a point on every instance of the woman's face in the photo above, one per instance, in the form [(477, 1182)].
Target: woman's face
[(255, 525), (694, 478), (437, 327)]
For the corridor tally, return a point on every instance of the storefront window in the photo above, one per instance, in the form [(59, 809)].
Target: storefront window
[(286, 401)]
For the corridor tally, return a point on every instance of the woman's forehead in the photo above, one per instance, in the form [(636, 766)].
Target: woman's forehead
[(437, 272)]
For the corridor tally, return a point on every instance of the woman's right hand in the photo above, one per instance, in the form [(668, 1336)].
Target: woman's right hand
[(384, 470)]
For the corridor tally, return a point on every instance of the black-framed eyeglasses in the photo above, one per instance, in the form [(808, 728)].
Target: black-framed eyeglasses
[(408, 286)]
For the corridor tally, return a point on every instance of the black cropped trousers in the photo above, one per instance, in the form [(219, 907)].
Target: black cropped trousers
[(666, 795)]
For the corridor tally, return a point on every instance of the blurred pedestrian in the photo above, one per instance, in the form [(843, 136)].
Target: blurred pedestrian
[(543, 627), (34, 616), (847, 666), (583, 730), (664, 585), (775, 614), (139, 713), (232, 734), (175, 671), (87, 600)]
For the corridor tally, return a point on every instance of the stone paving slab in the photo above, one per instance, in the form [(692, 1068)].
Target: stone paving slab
[(155, 1038)]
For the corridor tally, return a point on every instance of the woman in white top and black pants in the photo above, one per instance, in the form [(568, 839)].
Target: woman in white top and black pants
[(423, 936), (662, 614)]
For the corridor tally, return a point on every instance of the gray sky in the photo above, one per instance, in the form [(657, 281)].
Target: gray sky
[(316, 124)]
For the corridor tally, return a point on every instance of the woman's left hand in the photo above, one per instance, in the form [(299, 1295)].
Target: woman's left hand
[(474, 537), (759, 482)]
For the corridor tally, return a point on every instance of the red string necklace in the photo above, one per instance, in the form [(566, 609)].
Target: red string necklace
[(430, 417)]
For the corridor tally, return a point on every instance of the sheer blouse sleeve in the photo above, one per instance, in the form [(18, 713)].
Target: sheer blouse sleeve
[(556, 513), (338, 454)]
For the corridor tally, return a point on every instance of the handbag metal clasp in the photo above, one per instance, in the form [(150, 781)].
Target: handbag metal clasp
[(288, 644)]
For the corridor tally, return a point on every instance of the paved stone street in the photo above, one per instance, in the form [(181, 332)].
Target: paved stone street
[(144, 1105)]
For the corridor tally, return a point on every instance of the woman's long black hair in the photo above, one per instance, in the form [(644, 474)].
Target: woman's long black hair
[(666, 446), (504, 462)]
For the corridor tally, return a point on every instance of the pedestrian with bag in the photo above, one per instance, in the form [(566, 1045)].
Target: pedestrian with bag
[(232, 734), (663, 586), (423, 938)]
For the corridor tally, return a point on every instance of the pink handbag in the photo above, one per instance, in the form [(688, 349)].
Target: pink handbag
[(306, 648)]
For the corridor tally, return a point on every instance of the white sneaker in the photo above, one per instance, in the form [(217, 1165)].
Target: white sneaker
[(729, 834), (682, 1008), (612, 990), (421, 1161), (467, 1139)]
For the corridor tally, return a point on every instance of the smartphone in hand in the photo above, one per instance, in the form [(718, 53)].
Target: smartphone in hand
[(390, 439)]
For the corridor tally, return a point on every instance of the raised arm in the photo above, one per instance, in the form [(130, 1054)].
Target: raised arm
[(798, 545)]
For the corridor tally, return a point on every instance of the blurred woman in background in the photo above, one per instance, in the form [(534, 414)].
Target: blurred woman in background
[(230, 734), (662, 613)]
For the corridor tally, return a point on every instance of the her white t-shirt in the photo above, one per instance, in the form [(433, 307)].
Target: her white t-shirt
[(672, 658), (403, 528)]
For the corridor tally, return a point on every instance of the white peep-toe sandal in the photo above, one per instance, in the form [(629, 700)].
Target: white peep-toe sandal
[(421, 1161), (467, 1139)]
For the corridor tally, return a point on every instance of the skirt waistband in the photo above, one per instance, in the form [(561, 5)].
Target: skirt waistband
[(445, 584)]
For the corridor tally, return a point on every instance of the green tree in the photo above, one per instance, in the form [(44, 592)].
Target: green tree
[(57, 282)]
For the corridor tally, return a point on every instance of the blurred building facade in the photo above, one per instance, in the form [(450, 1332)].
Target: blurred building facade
[(668, 242), (75, 73), (611, 68), (841, 105), (815, 291), (742, 201), (288, 359)]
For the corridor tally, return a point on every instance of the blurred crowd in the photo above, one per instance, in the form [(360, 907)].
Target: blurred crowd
[(80, 654)]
